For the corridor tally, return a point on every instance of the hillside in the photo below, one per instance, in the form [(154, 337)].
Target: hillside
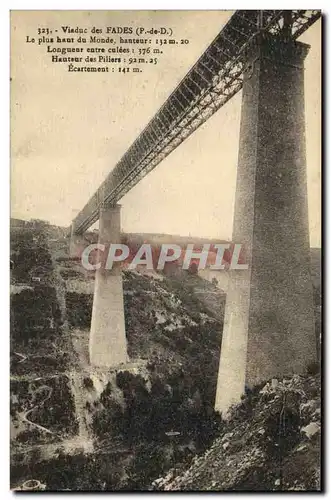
[(62, 410), (78, 428), (271, 442)]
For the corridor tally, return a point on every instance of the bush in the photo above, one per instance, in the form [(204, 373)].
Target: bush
[(88, 383)]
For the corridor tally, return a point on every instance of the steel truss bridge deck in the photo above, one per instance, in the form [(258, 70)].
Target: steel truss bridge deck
[(211, 82)]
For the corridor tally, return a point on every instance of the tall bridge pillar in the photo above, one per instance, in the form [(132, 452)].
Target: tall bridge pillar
[(108, 346), (269, 317)]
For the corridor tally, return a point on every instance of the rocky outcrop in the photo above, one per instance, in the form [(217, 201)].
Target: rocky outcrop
[(271, 441)]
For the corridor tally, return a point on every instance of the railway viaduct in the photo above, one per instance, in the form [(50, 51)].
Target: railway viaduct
[(269, 320)]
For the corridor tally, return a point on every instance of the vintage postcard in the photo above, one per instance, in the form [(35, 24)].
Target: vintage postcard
[(165, 250)]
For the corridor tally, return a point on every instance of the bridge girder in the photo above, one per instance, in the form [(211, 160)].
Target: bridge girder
[(213, 80)]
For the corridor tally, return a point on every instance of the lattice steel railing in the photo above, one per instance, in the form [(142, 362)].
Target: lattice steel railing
[(210, 83)]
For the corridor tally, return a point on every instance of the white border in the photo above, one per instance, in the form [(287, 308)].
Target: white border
[(4, 184)]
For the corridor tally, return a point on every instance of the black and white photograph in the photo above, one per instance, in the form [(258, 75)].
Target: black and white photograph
[(166, 250)]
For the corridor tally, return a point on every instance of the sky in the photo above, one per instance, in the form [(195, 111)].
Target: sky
[(68, 130)]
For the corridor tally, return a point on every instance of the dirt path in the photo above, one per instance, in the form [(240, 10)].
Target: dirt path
[(24, 415)]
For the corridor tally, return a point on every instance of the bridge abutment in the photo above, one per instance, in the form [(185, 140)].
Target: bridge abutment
[(77, 242), (269, 317), (108, 346), (77, 245)]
